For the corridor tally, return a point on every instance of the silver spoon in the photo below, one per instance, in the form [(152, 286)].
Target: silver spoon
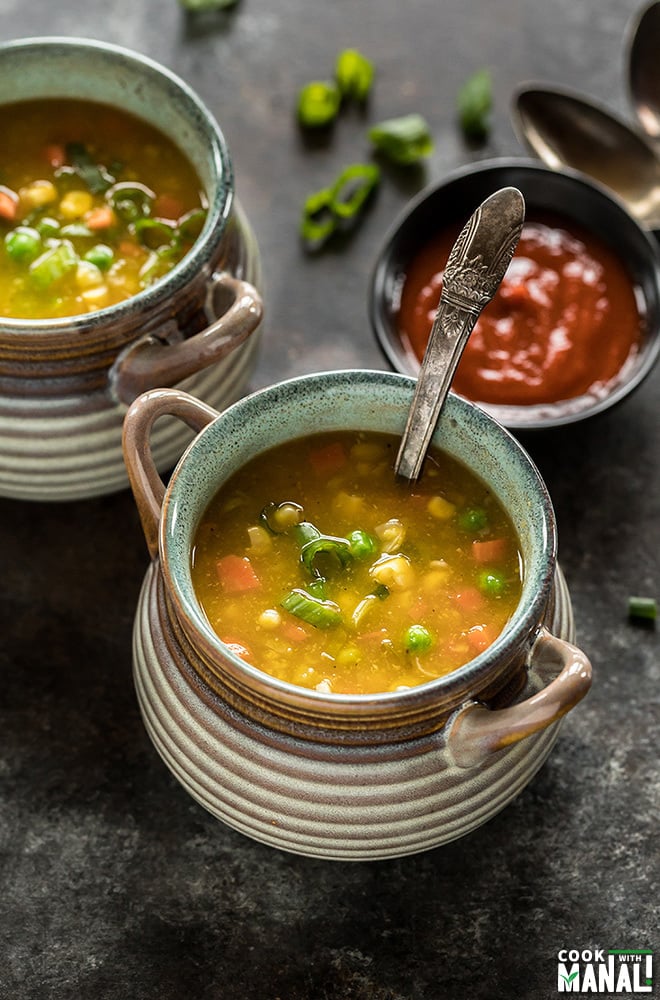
[(475, 268), (564, 129), (644, 68)]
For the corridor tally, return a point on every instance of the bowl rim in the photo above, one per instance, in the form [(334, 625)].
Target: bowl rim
[(520, 417), (176, 571), (221, 199)]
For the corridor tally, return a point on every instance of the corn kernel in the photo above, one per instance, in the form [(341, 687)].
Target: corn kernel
[(269, 619), (37, 194), (440, 508), (74, 204), (88, 275)]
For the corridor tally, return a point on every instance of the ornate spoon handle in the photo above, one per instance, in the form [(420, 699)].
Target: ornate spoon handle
[(476, 266)]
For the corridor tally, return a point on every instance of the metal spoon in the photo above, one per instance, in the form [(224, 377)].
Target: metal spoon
[(564, 129), (644, 68), (475, 268)]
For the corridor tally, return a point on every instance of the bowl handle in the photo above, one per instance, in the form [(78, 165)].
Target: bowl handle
[(152, 361), (148, 488), (477, 731)]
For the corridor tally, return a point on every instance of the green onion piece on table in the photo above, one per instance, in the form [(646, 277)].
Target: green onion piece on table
[(474, 103), (403, 140), (325, 209), (643, 607), (318, 221), (207, 4), (318, 103), (313, 610), (354, 74)]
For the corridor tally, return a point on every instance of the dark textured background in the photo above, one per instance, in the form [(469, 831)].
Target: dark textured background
[(114, 884)]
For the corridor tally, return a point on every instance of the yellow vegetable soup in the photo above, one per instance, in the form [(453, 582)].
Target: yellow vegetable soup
[(95, 205), (316, 565)]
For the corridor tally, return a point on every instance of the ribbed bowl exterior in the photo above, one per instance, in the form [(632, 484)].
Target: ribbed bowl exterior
[(69, 447), (325, 800)]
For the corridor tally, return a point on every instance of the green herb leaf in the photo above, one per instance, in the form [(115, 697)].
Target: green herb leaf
[(318, 103), (403, 140), (95, 176), (354, 74), (474, 104)]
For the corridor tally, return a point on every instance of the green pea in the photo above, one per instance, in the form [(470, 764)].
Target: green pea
[(417, 639), (101, 255), (473, 520), (362, 544), (491, 582), (23, 244), (48, 227)]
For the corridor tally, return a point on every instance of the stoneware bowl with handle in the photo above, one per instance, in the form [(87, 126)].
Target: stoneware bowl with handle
[(343, 776), (65, 383)]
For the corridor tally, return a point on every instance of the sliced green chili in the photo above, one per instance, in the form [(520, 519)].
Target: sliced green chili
[(313, 610), (474, 102), (643, 607), (318, 103), (403, 140), (354, 74)]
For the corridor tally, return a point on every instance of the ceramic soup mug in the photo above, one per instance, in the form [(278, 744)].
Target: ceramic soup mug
[(343, 776), (65, 383)]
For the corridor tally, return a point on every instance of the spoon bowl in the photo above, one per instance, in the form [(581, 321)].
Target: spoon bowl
[(644, 68), (566, 130)]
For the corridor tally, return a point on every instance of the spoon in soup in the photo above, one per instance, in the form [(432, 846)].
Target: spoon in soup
[(475, 267), (644, 68), (566, 130)]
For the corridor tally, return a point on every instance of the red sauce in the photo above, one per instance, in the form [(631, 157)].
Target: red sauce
[(562, 324)]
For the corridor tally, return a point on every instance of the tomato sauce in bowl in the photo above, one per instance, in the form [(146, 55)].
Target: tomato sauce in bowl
[(564, 323)]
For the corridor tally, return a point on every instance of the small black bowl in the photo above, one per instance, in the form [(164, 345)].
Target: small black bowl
[(565, 192)]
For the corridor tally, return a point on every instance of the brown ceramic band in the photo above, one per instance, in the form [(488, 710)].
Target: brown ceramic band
[(477, 731), (151, 361), (148, 488)]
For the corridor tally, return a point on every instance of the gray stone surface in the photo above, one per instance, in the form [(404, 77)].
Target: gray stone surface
[(113, 883)]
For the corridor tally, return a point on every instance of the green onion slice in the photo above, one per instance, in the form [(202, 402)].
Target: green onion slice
[(474, 102), (354, 74), (403, 140), (318, 103), (338, 549), (54, 264), (154, 233), (352, 188), (313, 610), (131, 201), (643, 607), (318, 221)]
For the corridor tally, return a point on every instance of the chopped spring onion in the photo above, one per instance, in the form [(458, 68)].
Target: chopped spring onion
[(379, 593), (417, 639), (643, 607), (313, 610), (403, 140), (131, 201), (324, 210), (338, 549), (154, 233), (96, 177), (474, 103), (305, 532), (318, 103), (53, 264), (354, 74)]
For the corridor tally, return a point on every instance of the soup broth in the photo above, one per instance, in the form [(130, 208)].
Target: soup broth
[(95, 206), (316, 565)]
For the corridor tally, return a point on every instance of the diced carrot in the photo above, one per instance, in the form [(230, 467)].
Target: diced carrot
[(469, 599), (127, 248), (236, 574), (489, 552), (376, 636), (55, 154), (101, 217), (166, 206), (480, 637), (329, 459), (8, 204), (418, 608), (293, 633), (238, 649)]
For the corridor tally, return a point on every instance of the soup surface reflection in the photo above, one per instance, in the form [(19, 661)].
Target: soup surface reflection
[(316, 565)]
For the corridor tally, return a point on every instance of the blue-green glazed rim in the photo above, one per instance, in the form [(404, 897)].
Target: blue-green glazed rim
[(61, 67), (369, 400)]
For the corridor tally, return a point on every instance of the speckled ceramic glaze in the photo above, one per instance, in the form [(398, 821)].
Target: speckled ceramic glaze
[(343, 776), (65, 384)]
